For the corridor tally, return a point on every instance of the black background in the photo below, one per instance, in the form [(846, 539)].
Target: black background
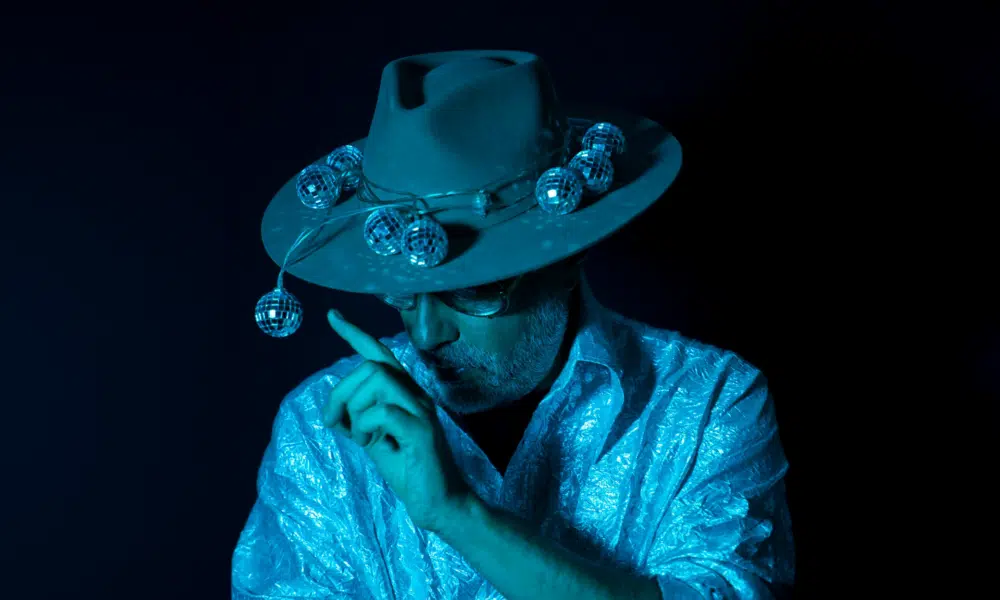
[(824, 225)]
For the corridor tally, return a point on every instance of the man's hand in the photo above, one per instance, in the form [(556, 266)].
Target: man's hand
[(381, 408)]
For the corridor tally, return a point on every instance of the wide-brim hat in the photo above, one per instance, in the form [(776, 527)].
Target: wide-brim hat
[(459, 122)]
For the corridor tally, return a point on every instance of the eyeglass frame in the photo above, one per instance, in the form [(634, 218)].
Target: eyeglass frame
[(506, 293)]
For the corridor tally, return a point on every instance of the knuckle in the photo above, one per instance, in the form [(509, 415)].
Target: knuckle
[(371, 367)]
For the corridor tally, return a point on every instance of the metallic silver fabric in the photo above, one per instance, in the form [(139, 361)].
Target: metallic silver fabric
[(651, 452)]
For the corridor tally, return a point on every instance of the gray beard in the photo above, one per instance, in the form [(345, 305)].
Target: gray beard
[(506, 379)]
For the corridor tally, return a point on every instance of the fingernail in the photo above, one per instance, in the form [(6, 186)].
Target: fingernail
[(333, 314)]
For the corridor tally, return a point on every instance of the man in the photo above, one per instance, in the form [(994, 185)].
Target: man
[(518, 440)]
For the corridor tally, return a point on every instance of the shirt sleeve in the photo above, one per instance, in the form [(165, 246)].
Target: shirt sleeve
[(727, 532), (309, 533)]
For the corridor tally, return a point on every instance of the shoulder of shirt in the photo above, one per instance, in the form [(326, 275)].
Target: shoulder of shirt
[(671, 353), (312, 391)]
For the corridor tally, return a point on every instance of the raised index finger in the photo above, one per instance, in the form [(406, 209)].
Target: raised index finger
[(364, 344)]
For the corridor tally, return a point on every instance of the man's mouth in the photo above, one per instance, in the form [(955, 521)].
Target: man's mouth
[(451, 373), (448, 372)]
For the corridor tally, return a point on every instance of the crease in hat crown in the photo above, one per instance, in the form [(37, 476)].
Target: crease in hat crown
[(460, 121)]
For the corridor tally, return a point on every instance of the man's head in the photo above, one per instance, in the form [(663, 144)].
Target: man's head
[(488, 361)]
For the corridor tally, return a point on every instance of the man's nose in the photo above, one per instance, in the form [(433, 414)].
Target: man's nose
[(432, 325)]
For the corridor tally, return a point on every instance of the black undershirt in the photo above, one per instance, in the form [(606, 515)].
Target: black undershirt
[(498, 431)]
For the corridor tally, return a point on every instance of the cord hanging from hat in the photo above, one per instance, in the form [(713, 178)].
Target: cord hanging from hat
[(279, 313), (402, 226)]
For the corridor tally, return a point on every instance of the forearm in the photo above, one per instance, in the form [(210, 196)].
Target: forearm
[(521, 563)]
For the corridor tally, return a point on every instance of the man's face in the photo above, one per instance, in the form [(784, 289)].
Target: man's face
[(487, 362)]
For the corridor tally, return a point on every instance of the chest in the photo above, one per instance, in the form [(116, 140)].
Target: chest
[(498, 433)]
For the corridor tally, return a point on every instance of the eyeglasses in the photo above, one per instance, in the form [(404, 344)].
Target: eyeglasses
[(488, 300)]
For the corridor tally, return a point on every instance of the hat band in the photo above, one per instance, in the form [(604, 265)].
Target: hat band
[(487, 199)]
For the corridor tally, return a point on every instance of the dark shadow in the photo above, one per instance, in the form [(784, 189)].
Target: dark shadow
[(410, 80), (460, 239)]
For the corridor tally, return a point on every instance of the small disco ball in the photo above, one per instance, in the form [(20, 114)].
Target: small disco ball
[(425, 242), (344, 159), (595, 166), (278, 313), (559, 190), (606, 137), (384, 230), (318, 187)]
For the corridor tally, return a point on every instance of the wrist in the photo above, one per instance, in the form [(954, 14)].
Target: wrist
[(462, 515)]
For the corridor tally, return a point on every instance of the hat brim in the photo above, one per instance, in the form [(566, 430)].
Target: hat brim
[(337, 256)]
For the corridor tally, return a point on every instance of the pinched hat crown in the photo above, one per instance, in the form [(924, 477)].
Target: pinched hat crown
[(461, 121)]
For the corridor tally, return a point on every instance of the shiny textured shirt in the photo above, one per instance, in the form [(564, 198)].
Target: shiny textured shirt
[(651, 452)]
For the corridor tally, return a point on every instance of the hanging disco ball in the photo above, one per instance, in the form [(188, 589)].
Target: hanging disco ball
[(318, 187), (278, 313)]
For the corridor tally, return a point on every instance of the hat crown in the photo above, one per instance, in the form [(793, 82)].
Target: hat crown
[(447, 77), (460, 121)]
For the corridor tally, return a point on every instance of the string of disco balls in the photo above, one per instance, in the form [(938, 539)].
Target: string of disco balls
[(394, 227)]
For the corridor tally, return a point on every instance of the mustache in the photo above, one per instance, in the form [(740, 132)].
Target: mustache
[(451, 357)]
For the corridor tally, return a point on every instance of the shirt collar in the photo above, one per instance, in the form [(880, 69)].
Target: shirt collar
[(597, 340)]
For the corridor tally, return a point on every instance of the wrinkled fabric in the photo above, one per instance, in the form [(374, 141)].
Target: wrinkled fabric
[(651, 452)]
